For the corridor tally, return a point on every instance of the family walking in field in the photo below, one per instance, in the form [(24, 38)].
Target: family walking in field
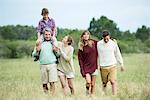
[(56, 58)]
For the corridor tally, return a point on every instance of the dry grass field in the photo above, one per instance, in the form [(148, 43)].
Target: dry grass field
[(20, 80)]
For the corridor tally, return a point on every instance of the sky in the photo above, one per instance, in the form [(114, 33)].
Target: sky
[(127, 14)]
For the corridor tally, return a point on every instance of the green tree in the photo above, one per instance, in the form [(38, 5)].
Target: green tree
[(11, 32), (103, 23), (128, 36), (8, 32), (143, 33)]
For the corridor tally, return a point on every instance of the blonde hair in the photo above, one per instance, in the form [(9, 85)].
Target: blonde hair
[(70, 40), (82, 41)]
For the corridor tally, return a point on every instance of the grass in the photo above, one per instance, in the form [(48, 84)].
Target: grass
[(20, 80)]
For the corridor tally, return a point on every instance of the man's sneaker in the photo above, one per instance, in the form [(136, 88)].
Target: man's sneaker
[(36, 58)]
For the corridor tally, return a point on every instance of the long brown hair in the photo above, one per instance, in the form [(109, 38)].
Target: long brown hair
[(82, 41)]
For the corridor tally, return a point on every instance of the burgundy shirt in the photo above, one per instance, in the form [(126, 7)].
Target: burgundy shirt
[(88, 59)]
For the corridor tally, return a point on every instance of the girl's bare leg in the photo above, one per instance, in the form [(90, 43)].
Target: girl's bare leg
[(93, 84), (63, 84), (70, 84), (88, 84)]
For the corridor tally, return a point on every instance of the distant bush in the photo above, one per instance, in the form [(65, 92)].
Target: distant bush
[(4, 51), (16, 40), (123, 47), (24, 50), (15, 49), (147, 43), (134, 46)]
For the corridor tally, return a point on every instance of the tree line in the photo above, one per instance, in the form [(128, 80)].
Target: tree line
[(18, 41)]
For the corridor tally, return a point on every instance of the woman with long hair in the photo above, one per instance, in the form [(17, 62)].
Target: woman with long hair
[(87, 56), (65, 66)]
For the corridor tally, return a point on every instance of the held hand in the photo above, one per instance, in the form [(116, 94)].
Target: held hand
[(100, 68), (55, 48)]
